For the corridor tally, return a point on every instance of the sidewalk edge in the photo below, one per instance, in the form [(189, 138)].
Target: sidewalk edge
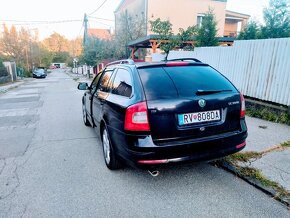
[(256, 183)]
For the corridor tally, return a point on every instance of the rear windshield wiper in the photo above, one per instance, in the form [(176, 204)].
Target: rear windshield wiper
[(208, 92)]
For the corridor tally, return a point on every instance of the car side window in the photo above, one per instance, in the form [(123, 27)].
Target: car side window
[(104, 82), (122, 84), (95, 82)]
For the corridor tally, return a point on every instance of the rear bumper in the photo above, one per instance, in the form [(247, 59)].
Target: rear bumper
[(37, 76), (142, 151)]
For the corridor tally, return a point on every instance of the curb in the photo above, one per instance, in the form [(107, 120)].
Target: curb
[(11, 86), (256, 183), (77, 77)]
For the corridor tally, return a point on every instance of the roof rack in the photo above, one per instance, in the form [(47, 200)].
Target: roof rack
[(125, 61), (185, 59)]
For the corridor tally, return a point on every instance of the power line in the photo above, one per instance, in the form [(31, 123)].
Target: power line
[(101, 23), (98, 7), (99, 18), (17, 22), (80, 31)]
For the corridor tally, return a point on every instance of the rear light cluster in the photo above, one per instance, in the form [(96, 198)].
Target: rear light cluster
[(136, 117), (243, 106), (153, 161), (175, 64), (241, 145)]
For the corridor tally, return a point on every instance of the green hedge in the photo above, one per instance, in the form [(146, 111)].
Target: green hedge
[(3, 70)]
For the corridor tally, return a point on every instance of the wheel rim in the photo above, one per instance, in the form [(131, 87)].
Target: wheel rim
[(106, 146), (84, 114)]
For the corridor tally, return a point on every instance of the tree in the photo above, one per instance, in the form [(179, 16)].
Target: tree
[(97, 50), (75, 47), (130, 27), (61, 57), (206, 34), (164, 30), (186, 35), (23, 47), (56, 43), (16, 45), (167, 40), (251, 31), (277, 19)]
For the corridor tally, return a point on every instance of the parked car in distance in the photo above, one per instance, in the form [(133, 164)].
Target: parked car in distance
[(52, 67), (149, 114), (39, 73)]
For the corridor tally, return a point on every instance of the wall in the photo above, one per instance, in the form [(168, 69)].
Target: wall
[(183, 13), (11, 68), (134, 8), (258, 68)]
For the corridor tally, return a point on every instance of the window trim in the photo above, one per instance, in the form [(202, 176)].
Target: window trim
[(99, 84), (199, 25), (91, 86)]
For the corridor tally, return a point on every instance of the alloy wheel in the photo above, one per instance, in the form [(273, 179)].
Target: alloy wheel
[(106, 147)]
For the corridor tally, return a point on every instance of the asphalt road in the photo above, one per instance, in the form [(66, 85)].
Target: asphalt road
[(52, 166)]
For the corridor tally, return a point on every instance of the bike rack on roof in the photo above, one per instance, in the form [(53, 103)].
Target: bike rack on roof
[(125, 61), (185, 59)]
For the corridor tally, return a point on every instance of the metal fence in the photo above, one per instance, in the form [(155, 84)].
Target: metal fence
[(258, 68)]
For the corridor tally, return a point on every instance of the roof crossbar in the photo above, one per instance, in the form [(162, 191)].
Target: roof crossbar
[(185, 59), (125, 61)]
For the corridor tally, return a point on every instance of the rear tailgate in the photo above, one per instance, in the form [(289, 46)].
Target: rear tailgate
[(179, 107)]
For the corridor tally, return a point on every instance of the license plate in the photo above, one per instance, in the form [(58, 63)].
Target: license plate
[(199, 117)]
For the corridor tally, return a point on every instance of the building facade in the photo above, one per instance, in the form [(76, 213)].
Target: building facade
[(182, 14)]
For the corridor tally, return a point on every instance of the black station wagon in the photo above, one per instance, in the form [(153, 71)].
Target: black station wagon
[(149, 114)]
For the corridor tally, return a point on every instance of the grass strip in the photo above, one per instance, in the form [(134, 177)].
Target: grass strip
[(268, 114)]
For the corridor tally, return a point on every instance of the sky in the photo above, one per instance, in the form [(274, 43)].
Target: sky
[(66, 16)]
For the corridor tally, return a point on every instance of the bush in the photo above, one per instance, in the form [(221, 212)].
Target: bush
[(27, 73), (3, 70)]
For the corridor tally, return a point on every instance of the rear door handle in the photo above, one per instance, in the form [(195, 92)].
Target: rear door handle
[(90, 98)]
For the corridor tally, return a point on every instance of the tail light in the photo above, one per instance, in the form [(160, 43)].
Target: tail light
[(243, 107), (241, 145), (136, 117), (152, 161), (176, 64)]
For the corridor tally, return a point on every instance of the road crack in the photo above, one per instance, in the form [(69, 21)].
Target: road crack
[(14, 175), (4, 165)]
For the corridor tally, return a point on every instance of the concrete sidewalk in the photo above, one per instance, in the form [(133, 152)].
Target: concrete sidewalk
[(265, 162), (80, 77), (266, 137)]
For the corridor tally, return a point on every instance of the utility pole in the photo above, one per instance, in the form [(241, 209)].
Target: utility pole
[(85, 30), (85, 42)]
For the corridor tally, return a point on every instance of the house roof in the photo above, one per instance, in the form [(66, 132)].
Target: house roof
[(104, 34), (237, 15), (144, 42)]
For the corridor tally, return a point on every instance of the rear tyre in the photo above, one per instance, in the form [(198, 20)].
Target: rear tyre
[(110, 157), (85, 116)]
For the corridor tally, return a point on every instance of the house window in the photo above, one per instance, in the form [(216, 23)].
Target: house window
[(199, 20)]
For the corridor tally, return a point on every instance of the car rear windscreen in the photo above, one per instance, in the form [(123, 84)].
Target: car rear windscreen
[(181, 81)]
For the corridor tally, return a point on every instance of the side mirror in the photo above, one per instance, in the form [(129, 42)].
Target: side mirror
[(83, 86)]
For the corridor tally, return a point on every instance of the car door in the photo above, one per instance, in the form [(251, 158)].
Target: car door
[(101, 94), (90, 93)]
